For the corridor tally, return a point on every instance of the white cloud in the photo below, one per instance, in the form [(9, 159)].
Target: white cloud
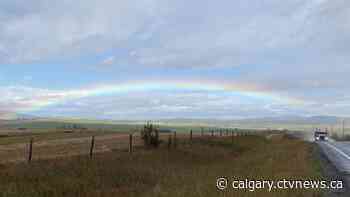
[(130, 102), (108, 61), (67, 28), (139, 103), (178, 33), (294, 48)]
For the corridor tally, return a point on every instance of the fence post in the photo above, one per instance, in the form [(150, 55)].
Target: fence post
[(92, 146), (232, 137), (130, 144), (212, 133), (30, 153), (220, 132), (169, 142), (175, 140), (201, 132), (191, 137)]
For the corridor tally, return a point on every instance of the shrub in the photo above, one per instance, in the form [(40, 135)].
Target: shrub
[(150, 135)]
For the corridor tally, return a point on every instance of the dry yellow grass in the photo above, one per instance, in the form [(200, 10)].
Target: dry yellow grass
[(185, 171)]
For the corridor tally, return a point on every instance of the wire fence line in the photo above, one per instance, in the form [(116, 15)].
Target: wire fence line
[(36, 150)]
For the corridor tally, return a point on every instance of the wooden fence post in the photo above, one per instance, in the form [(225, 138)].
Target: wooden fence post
[(212, 133), (232, 137), (175, 140), (201, 132), (30, 153), (220, 132), (130, 144), (92, 146), (169, 142), (191, 137)]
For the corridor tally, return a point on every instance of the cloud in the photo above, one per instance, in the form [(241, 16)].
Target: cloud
[(206, 33), (40, 30), (132, 100), (22, 99), (292, 48), (108, 61), (138, 101), (304, 35), (141, 102), (151, 105)]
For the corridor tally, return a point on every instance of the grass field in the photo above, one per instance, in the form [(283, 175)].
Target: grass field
[(12, 138), (184, 171)]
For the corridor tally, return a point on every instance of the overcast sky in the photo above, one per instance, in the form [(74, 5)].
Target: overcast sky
[(145, 59)]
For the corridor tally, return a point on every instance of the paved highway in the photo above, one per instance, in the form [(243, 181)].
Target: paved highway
[(338, 153)]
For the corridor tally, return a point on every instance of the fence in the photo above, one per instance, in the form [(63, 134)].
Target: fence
[(89, 146)]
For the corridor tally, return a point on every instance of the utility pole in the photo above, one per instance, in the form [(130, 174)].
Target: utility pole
[(331, 129), (343, 127)]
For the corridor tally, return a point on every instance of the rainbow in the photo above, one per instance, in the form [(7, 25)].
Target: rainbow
[(247, 90)]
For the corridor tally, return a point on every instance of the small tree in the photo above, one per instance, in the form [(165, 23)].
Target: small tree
[(150, 135)]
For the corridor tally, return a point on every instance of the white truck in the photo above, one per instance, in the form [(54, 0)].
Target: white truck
[(321, 135)]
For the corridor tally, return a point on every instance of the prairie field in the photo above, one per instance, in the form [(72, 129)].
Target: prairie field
[(189, 169)]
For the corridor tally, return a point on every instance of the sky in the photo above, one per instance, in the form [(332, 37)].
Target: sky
[(152, 59)]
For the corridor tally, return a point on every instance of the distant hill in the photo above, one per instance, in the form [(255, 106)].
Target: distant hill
[(281, 122), (325, 119), (280, 119), (17, 116), (297, 120)]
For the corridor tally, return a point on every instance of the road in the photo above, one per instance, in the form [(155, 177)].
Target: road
[(338, 153)]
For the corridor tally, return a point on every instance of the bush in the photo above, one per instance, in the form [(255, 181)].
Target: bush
[(150, 135), (338, 137)]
